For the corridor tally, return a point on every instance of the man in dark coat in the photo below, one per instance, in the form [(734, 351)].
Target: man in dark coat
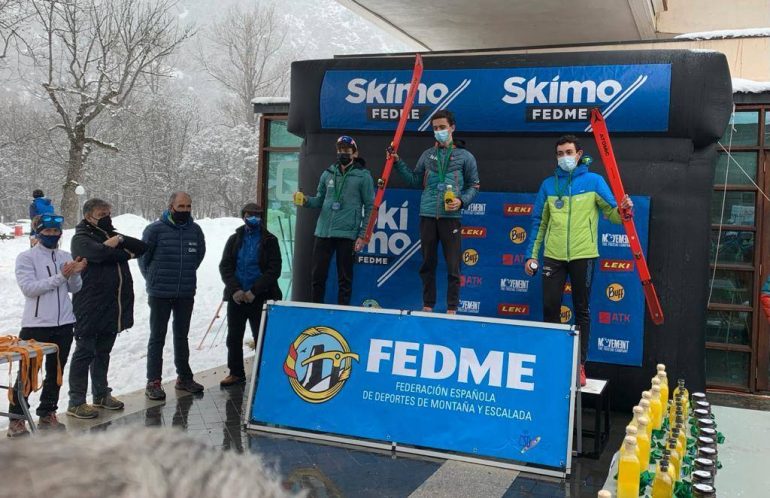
[(250, 268), (175, 250), (103, 308)]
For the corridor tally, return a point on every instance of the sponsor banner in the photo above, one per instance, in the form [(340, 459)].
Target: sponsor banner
[(492, 269), (633, 97), (416, 380)]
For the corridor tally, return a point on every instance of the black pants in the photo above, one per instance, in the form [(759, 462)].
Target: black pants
[(62, 337), (92, 353), (160, 312), (323, 250), (237, 316), (446, 231), (580, 273)]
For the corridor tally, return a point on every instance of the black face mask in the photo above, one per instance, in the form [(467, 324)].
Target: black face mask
[(180, 217), (344, 158), (105, 224)]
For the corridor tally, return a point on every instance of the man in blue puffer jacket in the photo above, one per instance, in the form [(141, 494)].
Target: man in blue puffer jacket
[(175, 250)]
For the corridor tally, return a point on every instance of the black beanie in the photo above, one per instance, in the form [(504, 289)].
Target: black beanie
[(37, 193), (250, 208)]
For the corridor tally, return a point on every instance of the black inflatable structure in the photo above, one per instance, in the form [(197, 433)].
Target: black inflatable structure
[(674, 167)]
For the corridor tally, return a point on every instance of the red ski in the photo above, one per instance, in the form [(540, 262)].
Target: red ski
[(382, 183), (604, 145)]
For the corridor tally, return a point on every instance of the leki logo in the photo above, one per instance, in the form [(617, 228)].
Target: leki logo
[(617, 265), (473, 232), (512, 309), (615, 292), (318, 364), (518, 235), (470, 257), (566, 314), (517, 209)]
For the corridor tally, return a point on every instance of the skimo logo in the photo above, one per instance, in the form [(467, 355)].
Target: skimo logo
[(517, 209), (518, 235), (469, 306), (473, 232), (471, 281), (566, 314), (615, 292), (470, 257), (512, 309), (390, 239), (617, 265), (514, 285), (615, 240), (612, 345), (607, 318), (475, 209), (318, 364), (513, 259)]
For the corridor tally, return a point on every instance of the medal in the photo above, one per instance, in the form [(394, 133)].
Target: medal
[(441, 187), (336, 206), (559, 203)]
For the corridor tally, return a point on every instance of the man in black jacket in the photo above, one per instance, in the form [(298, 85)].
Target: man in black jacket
[(250, 268), (175, 250), (103, 308)]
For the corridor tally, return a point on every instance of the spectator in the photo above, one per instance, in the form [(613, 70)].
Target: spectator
[(175, 250)]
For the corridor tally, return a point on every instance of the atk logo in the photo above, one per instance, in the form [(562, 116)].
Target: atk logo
[(470, 257), (513, 259), (517, 209), (608, 318), (566, 314), (469, 306), (612, 345), (475, 209), (616, 265), (512, 309), (518, 235), (318, 364), (471, 281), (514, 285), (473, 232), (615, 240), (615, 292)]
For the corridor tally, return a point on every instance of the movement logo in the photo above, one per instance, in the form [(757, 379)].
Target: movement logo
[(473, 232), (615, 240), (318, 364), (518, 235), (615, 292), (469, 306), (617, 265), (512, 309), (612, 345), (475, 209), (470, 257), (566, 314), (514, 285), (517, 209)]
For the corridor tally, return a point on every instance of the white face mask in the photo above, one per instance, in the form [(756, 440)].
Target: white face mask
[(568, 163)]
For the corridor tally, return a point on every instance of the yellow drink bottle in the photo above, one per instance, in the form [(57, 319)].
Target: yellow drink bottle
[(675, 459), (662, 486), (643, 441), (628, 471), (299, 198), (656, 407), (449, 194), (664, 391), (680, 389), (645, 403), (631, 431)]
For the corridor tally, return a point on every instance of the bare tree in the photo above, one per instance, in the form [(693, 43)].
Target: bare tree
[(13, 17), (97, 53), (246, 55)]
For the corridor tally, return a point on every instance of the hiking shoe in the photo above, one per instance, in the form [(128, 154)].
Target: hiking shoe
[(17, 428), (232, 380), (188, 385), (50, 423), (582, 375), (82, 411), (108, 403), (154, 391)]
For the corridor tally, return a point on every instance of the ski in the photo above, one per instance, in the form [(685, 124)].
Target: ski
[(602, 137), (382, 183)]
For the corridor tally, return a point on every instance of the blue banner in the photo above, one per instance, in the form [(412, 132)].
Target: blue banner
[(632, 97), (499, 389), (494, 284)]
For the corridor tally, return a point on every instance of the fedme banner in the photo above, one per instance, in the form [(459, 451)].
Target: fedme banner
[(497, 389), (494, 284), (632, 97)]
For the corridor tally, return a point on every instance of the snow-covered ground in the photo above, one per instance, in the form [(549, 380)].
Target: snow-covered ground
[(128, 362)]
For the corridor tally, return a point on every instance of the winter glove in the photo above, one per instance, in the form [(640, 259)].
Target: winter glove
[(239, 296)]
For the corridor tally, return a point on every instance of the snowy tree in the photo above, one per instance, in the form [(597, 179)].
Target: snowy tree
[(14, 15), (96, 53)]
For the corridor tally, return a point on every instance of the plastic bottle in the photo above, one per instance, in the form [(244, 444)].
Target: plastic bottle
[(299, 198), (656, 407), (664, 391), (631, 431), (680, 389), (638, 412), (628, 471), (643, 441), (662, 486), (449, 194), (645, 404), (675, 458)]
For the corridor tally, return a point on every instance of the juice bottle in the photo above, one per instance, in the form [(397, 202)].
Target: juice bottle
[(631, 431), (638, 412), (656, 407), (449, 194), (680, 389), (675, 458), (663, 384), (645, 404), (299, 198), (662, 486), (643, 441), (628, 471)]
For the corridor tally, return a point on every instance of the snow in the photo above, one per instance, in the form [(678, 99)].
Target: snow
[(741, 85), (270, 100), (128, 361), (725, 33), (5, 228)]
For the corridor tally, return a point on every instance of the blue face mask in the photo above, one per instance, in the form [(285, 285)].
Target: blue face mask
[(49, 241), (568, 163), (442, 136), (253, 221)]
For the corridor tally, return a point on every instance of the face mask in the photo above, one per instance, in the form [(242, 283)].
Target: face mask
[(442, 136), (49, 241), (105, 224), (344, 158), (180, 217), (253, 221), (568, 163)]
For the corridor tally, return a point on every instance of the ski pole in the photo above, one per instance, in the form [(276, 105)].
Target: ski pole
[(216, 315)]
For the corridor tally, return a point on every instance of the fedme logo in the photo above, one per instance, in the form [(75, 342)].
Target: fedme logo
[(617, 265), (512, 309), (608, 318), (517, 209), (471, 281), (473, 232)]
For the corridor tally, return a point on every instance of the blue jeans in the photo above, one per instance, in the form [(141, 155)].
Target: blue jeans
[(160, 312)]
